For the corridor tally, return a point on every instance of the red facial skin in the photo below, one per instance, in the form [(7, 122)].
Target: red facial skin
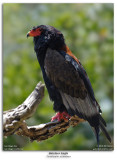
[(34, 32)]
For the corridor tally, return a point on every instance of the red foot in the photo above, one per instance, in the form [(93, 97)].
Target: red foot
[(61, 116)]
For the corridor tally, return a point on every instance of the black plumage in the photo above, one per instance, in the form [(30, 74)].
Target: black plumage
[(66, 80)]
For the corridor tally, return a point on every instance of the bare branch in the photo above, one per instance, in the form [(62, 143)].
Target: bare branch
[(14, 120), (47, 130)]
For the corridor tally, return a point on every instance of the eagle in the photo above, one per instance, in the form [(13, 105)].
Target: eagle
[(66, 80)]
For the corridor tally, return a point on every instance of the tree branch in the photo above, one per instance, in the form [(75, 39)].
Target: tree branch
[(14, 120)]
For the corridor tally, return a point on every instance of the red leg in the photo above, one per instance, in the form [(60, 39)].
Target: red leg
[(61, 116)]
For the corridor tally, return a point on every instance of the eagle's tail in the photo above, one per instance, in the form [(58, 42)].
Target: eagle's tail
[(102, 126), (96, 129)]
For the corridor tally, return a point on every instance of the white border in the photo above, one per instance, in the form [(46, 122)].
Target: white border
[(81, 155), (58, 1)]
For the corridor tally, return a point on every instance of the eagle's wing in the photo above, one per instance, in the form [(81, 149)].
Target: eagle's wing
[(71, 85), (70, 78)]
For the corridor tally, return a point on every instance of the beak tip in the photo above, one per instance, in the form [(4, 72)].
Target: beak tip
[(27, 35)]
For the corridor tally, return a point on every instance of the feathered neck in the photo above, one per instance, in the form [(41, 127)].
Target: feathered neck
[(42, 43)]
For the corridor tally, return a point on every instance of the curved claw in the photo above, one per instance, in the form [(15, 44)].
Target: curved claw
[(61, 116)]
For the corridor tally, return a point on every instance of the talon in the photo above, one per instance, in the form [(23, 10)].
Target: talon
[(61, 116)]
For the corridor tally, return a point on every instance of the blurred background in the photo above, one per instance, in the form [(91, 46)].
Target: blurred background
[(88, 30)]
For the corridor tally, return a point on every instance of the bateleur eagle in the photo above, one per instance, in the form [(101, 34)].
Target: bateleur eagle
[(66, 80)]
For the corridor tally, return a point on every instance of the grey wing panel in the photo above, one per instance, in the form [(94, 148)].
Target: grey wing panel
[(83, 108)]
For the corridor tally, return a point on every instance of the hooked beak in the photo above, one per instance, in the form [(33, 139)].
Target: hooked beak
[(28, 35), (34, 33)]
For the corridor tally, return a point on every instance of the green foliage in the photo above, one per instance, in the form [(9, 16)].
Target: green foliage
[(88, 30)]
